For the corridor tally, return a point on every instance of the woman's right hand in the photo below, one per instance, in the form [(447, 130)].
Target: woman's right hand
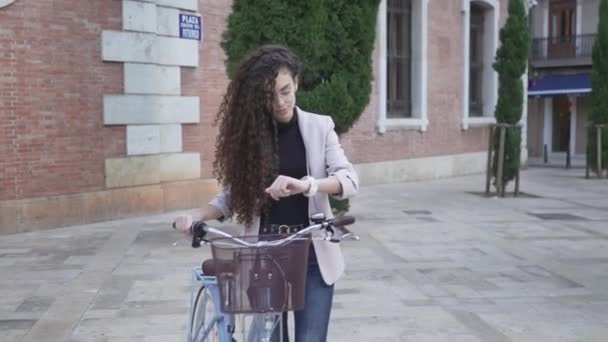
[(183, 224)]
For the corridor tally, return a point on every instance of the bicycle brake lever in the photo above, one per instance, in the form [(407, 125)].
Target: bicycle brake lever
[(198, 233), (331, 231), (196, 242)]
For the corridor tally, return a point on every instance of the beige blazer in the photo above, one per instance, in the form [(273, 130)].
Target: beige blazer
[(325, 157)]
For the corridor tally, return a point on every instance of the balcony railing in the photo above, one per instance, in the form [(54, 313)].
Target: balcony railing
[(565, 49)]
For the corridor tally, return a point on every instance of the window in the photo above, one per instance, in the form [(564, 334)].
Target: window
[(402, 62), (399, 57), (562, 28), (476, 64), (480, 81)]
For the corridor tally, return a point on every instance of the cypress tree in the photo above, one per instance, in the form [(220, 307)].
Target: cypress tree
[(510, 64), (599, 91)]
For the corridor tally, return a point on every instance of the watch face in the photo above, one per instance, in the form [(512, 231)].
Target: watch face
[(4, 3)]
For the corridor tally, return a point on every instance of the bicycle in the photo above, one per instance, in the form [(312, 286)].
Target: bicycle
[(257, 276)]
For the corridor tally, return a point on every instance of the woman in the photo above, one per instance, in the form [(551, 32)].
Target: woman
[(278, 165)]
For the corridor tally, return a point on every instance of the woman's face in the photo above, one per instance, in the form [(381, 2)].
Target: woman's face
[(284, 96)]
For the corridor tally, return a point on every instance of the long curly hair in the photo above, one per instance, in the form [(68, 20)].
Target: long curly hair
[(246, 155)]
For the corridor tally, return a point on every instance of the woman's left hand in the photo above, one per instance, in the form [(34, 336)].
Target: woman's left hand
[(284, 186)]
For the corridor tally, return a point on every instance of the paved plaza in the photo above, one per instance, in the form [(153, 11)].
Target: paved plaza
[(436, 262)]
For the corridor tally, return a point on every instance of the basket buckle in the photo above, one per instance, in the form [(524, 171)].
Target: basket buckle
[(285, 227)]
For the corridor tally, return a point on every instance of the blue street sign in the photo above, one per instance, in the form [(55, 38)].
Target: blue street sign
[(190, 26)]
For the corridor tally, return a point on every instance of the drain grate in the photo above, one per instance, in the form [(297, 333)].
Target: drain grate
[(417, 212), (558, 217), (427, 219)]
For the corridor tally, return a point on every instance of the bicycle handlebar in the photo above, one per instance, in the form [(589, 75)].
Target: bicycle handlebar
[(320, 222)]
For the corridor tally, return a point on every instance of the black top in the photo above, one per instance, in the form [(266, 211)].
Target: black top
[(292, 210)]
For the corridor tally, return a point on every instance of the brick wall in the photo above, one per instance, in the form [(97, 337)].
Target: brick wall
[(52, 139), (444, 134), (52, 80)]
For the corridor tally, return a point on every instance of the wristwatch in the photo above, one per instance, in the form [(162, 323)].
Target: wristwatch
[(314, 186)]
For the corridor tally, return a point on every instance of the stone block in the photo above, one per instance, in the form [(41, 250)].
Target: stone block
[(118, 46), (170, 138), (189, 194), (138, 16), (143, 139), (37, 214), (167, 21), (152, 79), (150, 109), (152, 169), (122, 46), (177, 51), (9, 214), (190, 5), (52, 211), (418, 169), (141, 200), (131, 171), (153, 139), (180, 166)]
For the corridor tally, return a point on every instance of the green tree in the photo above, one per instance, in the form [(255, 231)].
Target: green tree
[(599, 91), (510, 64), (334, 39)]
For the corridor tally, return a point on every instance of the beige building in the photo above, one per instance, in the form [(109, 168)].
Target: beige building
[(563, 33)]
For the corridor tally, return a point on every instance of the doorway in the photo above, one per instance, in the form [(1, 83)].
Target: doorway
[(561, 123)]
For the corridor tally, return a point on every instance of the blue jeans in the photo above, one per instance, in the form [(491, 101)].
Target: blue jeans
[(312, 322)]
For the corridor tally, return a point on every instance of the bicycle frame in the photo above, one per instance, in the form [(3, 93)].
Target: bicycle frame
[(225, 322)]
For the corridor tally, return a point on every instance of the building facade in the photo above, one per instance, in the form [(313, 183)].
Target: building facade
[(106, 111), (563, 34)]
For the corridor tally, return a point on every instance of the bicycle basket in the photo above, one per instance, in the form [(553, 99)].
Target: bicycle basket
[(261, 279)]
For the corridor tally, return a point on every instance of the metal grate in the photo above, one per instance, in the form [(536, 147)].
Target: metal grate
[(558, 217), (417, 212)]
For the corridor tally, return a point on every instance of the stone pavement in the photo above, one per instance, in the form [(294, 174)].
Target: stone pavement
[(435, 263)]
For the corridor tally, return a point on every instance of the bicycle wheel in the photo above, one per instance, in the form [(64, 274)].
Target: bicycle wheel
[(204, 325)]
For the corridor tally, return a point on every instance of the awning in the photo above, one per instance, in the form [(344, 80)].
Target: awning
[(554, 85)]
